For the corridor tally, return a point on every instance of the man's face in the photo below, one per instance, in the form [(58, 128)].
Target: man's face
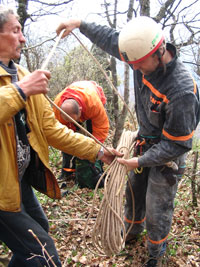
[(11, 40), (148, 65)]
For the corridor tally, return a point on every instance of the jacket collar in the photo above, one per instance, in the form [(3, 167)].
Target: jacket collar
[(169, 66), (8, 70)]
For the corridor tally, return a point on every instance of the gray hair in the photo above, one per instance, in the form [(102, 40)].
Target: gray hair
[(4, 15)]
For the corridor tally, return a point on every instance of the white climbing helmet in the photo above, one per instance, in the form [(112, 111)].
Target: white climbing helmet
[(139, 39)]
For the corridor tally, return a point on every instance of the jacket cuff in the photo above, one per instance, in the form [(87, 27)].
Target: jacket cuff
[(141, 161), (20, 91), (100, 153), (83, 26)]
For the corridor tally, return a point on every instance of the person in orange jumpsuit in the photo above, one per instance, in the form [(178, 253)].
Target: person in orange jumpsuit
[(84, 101)]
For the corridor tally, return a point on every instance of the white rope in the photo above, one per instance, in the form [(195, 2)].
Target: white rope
[(104, 73), (46, 62), (108, 234)]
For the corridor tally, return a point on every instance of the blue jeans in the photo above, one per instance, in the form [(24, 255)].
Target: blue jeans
[(14, 233)]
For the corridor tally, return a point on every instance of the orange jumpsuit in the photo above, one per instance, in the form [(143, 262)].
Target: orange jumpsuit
[(91, 98)]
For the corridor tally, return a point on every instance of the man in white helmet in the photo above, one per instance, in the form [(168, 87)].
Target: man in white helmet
[(167, 107)]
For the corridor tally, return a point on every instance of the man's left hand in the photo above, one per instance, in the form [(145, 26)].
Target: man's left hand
[(129, 163)]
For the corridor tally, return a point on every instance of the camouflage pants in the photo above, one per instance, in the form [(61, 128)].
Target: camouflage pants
[(154, 194)]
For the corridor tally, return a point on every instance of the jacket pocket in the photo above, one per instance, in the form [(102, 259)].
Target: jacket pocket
[(172, 176), (155, 118)]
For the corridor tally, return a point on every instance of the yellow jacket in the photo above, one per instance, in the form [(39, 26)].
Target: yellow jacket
[(45, 131)]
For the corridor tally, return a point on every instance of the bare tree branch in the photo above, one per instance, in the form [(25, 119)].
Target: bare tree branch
[(57, 3), (163, 10)]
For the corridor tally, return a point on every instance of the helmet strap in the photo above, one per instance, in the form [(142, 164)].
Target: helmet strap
[(159, 55)]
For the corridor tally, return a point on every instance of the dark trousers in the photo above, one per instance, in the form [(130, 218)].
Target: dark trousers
[(14, 233), (154, 196)]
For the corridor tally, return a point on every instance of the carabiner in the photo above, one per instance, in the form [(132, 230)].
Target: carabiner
[(138, 170)]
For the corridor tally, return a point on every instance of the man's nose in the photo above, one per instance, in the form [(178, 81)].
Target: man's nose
[(22, 38)]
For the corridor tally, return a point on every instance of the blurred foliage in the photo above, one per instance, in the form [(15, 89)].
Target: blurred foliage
[(196, 144), (78, 66)]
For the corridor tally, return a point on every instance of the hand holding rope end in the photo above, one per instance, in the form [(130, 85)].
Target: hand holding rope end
[(68, 26), (107, 155)]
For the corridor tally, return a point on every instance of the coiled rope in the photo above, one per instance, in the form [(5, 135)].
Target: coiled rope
[(109, 233)]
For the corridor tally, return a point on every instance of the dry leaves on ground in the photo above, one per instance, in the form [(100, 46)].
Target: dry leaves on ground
[(68, 216)]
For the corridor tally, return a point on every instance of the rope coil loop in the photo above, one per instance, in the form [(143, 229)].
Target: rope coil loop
[(108, 234)]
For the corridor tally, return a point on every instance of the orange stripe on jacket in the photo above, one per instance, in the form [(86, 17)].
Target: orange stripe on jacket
[(195, 87), (177, 138), (136, 222), (154, 90), (69, 170), (159, 241)]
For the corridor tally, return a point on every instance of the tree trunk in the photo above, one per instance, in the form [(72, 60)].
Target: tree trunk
[(122, 116), (145, 7), (120, 119), (22, 12), (113, 66)]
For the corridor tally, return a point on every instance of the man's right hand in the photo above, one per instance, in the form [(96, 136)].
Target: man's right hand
[(35, 82), (68, 26)]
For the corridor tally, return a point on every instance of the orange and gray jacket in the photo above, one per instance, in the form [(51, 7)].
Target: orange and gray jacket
[(167, 104), (45, 131), (91, 98)]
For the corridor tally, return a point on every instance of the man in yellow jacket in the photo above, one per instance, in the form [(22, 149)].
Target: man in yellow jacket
[(84, 102), (27, 127)]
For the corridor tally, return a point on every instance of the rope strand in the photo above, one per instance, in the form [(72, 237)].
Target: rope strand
[(104, 73), (108, 234)]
